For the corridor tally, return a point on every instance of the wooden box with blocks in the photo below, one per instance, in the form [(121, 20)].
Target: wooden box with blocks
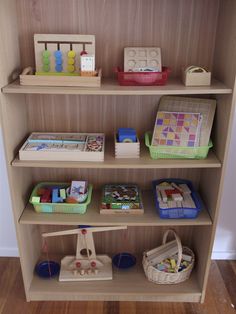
[(127, 150)]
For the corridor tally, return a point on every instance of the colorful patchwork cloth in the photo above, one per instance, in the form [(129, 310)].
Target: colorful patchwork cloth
[(177, 129)]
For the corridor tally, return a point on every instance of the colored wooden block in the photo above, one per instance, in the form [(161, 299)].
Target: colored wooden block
[(35, 199), (63, 193), (55, 196), (46, 197), (126, 135)]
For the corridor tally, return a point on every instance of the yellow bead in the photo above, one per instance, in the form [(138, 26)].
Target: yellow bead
[(71, 61), (71, 54), (70, 68)]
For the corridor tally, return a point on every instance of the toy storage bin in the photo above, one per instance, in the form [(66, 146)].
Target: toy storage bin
[(79, 208), (178, 213), (142, 78), (161, 277), (174, 152)]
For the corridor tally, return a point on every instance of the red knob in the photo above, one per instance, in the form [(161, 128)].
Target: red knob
[(78, 264), (84, 231), (93, 264)]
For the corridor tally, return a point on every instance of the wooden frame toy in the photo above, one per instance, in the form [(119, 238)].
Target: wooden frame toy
[(85, 265)]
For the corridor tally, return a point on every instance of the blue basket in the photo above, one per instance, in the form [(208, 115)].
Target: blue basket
[(177, 213)]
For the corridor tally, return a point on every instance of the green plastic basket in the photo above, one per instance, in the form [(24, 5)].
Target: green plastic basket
[(79, 208), (169, 152)]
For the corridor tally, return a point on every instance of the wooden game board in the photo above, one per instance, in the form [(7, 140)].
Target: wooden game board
[(195, 105), (177, 129)]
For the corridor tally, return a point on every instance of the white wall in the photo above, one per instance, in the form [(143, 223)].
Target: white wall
[(225, 242), (8, 245)]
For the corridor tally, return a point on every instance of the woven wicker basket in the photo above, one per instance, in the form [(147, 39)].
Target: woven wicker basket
[(161, 277)]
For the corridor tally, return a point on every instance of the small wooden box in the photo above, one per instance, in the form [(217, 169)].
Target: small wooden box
[(127, 150), (196, 78)]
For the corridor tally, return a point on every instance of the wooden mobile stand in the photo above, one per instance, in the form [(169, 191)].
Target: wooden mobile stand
[(86, 265)]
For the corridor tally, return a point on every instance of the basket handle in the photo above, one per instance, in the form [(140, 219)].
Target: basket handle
[(28, 70), (180, 250)]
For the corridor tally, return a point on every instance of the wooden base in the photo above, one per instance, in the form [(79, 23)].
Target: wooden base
[(104, 267), (54, 80)]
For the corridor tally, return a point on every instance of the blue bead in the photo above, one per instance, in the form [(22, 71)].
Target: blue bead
[(58, 68), (58, 61), (58, 54)]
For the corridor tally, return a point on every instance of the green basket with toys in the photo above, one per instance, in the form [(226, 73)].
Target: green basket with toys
[(176, 152), (60, 207)]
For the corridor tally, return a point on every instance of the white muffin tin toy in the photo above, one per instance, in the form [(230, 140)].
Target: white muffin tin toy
[(142, 59)]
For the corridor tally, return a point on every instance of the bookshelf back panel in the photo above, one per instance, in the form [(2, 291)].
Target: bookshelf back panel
[(170, 24), (56, 113), (133, 240), (99, 177)]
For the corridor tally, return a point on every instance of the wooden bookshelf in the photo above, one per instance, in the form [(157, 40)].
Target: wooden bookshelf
[(199, 32)]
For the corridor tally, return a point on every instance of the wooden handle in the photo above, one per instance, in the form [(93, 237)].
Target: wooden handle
[(28, 70), (180, 250)]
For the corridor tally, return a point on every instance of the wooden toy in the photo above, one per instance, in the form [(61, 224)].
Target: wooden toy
[(61, 54), (142, 59), (85, 265), (27, 77), (185, 189), (63, 194), (176, 198), (36, 199), (121, 199), (126, 135), (64, 147), (127, 150), (162, 252), (206, 107), (46, 197), (78, 187), (177, 129), (55, 196), (127, 144), (58, 61), (196, 76)]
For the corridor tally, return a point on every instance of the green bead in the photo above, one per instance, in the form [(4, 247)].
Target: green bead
[(46, 61), (46, 54), (46, 68)]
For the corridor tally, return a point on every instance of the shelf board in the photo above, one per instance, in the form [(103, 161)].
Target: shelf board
[(93, 217), (110, 162), (111, 87), (131, 285)]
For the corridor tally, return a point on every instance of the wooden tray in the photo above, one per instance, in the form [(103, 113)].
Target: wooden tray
[(57, 154), (28, 77)]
